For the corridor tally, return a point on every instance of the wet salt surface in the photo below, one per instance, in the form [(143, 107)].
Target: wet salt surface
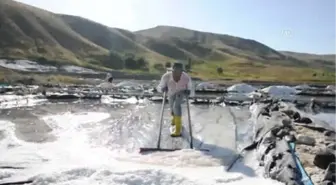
[(329, 118), (93, 143)]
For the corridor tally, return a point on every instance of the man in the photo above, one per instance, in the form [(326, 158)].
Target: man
[(109, 77), (108, 84), (313, 107), (176, 84)]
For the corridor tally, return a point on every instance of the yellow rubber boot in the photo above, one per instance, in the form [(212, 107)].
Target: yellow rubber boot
[(173, 121), (178, 126)]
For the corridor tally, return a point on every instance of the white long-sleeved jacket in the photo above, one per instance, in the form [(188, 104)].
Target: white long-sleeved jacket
[(173, 87)]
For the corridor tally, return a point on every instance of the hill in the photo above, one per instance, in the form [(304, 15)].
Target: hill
[(28, 32), (203, 44), (314, 59)]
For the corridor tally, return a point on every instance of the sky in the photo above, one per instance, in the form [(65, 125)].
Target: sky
[(306, 26)]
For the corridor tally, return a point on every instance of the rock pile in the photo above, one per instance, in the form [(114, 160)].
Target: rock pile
[(285, 140)]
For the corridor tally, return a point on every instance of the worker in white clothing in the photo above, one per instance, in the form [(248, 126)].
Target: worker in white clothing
[(177, 84)]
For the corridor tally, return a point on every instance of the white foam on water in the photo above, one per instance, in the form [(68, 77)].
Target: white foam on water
[(237, 97), (106, 85), (74, 159), (11, 101), (132, 100), (254, 109)]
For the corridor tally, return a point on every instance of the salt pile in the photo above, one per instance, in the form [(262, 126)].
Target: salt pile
[(241, 88)]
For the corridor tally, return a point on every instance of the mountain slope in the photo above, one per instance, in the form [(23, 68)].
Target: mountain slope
[(314, 59), (27, 31), (116, 39), (308, 56), (220, 42), (33, 33), (226, 46)]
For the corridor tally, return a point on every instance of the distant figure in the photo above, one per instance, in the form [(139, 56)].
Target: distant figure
[(176, 84), (313, 106), (44, 92), (107, 85), (109, 77)]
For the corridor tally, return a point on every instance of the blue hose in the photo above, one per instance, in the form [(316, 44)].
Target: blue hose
[(305, 179)]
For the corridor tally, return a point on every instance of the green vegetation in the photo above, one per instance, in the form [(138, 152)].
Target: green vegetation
[(129, 61), (27, 32), (262, 72)]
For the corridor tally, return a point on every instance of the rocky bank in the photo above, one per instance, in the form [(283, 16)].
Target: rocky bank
[(286, 138)]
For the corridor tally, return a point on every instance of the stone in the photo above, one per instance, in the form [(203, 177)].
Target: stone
[(306, 140), (323, 158), (265, 112), (274, 108), (305, 120), (282, 133), (289, 113), (305, 149), (287, 122), (327, 183), (329, 133), (330, 173), (330, 136), (331, 146), (296, 116), (276, 130)]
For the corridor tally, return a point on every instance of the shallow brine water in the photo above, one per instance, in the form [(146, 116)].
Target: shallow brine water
[(90, 142)]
